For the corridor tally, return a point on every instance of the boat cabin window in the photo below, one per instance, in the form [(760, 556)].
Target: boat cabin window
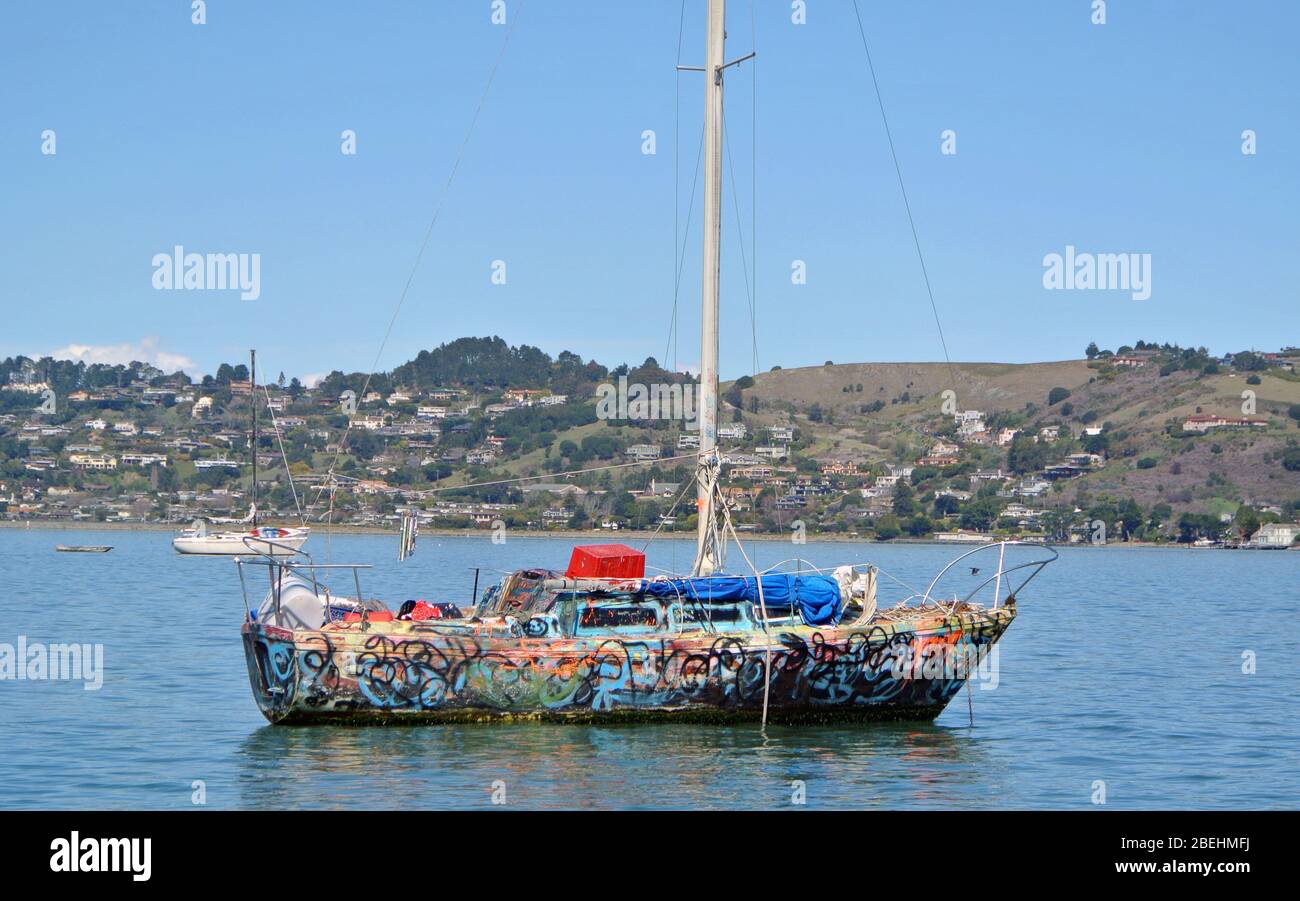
[(623, 617), (697, 616)]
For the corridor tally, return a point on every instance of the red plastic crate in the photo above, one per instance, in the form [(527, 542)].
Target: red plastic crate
[(606, 561)]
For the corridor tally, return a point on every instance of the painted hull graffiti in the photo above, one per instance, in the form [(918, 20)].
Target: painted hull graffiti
[(483, 670)]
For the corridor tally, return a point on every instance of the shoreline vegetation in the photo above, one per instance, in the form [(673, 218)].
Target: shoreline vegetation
[(590, 537), (1147, 444)]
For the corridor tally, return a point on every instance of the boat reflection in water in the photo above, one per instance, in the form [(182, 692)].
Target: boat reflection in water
[(569, 767)]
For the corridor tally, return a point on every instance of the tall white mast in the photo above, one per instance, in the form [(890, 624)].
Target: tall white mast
[(708, 549)]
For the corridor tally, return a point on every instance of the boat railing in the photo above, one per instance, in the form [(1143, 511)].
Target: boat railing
[(1001, 575), (277, 564)]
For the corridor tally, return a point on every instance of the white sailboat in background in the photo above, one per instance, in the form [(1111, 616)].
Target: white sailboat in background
[(258, 540), (266, 540)]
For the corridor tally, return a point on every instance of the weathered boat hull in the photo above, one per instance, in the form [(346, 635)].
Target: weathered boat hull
[(415, 673)]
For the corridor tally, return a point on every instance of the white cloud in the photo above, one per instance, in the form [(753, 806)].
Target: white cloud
[(146, 350), (312, 379)]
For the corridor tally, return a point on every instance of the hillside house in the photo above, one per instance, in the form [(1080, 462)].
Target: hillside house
[(218, 463), (1085, 461), (96, 462), (662, 489), (559, 489), (523, 397), (144, 459), (643, 452), (939, 460), (1205, 423), (1275, 535), (1025, 517), (1032, 487)]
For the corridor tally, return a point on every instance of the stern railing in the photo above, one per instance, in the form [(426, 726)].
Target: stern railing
[(1003, 571), (278, 564)]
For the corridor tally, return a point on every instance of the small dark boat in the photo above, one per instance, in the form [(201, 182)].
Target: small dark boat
[(84, 548)]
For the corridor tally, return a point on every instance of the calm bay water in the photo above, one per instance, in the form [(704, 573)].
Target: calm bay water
[(1124, 666)]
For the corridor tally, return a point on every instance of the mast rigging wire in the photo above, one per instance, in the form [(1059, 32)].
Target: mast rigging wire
[(740, 241), (677, 163), (898, 170), (428, 233), (275, 423), (681, 261)]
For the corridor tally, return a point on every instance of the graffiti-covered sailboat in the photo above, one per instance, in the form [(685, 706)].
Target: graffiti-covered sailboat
[(600, 641), (784, 646)]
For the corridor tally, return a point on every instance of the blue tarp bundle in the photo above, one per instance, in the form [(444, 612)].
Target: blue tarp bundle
[(817, 597)]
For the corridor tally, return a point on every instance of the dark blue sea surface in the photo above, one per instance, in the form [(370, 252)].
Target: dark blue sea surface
[(1123, 673)]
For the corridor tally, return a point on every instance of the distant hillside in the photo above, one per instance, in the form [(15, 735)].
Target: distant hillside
[(1158, 442), (990, 386), (1141, 410)]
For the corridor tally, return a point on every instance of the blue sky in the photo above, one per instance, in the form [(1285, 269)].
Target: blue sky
[(225, 137)]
